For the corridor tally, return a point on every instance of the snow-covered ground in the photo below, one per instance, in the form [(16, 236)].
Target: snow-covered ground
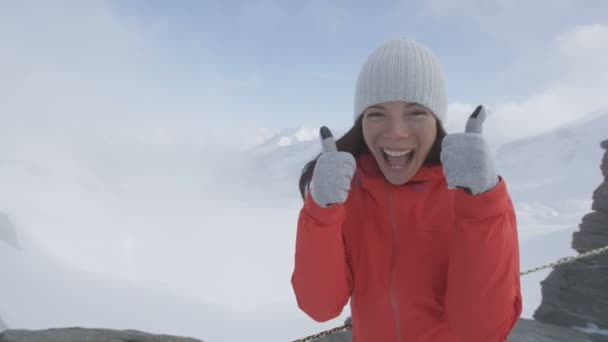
[(166, 236), (593, 329), (38, 291)]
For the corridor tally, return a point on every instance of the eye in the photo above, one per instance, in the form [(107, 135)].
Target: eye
[(418, 112), (375, 115)]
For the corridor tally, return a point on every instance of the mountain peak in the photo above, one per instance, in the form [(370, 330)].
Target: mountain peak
[(287, 137), (293, 136)]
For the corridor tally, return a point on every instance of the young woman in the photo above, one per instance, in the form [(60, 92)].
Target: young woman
[(411, 225)]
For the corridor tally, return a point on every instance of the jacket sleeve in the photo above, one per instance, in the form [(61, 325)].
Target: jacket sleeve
[(483, 298), (321, 277)]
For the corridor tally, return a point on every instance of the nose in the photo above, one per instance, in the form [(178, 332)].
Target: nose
[(397, 129)]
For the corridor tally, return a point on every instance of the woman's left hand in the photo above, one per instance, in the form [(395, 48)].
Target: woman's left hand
[(466, 158)]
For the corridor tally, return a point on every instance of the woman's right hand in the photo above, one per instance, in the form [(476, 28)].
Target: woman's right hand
[(333, 173)]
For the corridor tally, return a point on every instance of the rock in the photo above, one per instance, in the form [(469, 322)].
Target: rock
[(592, 223), (604, 166), (3, 325), (600, 198), (525, 330), (576, 294), (92, 335)]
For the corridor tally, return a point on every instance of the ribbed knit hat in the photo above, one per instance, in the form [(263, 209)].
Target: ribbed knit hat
[(402, 70)]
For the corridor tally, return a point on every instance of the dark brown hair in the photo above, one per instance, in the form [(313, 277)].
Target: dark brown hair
[(353, 143)]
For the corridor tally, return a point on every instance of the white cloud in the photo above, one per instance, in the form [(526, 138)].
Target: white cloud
[(85, 69), (576, 78), (161, 214), (102, 145), (458, 113), (583, 52), (63, 59), (516, 23), (502, 8)]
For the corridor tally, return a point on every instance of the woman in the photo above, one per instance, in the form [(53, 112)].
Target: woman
[(411, 225)]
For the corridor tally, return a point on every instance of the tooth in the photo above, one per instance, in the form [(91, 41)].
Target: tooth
[(397, 153)]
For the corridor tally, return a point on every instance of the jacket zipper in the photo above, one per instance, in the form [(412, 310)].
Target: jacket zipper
[(393, 290)]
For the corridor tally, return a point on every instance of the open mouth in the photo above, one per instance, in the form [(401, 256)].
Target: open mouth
[(398, 158)]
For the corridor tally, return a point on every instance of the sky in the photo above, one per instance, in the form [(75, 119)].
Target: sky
[(217, 70), (122, 123)]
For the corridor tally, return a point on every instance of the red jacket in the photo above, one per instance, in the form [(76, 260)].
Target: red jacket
[(419, 262)]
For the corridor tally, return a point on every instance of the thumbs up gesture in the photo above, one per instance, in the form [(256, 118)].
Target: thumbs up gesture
[(333, 173), (466, 158)]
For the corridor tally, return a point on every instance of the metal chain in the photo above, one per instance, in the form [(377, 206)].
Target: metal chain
[(567, 260), (325, 333), (561, 261)]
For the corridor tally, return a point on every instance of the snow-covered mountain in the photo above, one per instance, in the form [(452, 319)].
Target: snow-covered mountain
[(552, 176), (277, 163), (287, 137), (560, 165)]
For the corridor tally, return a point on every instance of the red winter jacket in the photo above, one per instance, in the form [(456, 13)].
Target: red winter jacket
[(419, 262)]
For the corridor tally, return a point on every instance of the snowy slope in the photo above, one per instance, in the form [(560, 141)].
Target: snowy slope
[(562, 164), (38, 292), (551, 177), (276, 167)]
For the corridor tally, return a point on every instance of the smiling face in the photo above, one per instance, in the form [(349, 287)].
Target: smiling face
[(399, 135)]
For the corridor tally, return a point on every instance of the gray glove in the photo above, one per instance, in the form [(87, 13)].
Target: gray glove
[(466, 158), (333, 173)]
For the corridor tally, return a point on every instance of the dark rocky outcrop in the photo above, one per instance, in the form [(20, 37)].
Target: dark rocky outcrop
[(528, 330), (80, 334), (576, 294)]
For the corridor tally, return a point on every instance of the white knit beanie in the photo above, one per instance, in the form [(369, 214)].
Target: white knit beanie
[(402, 70)]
